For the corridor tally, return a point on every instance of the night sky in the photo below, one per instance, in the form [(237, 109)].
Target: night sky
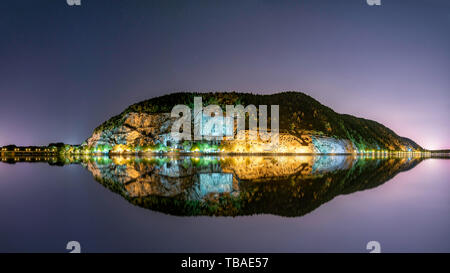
[(64, 70)]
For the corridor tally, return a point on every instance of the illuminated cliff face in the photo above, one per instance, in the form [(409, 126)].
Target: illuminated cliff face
[(140, 129), (135, 129)]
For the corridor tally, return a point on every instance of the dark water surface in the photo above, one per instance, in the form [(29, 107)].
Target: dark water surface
[(225, 204)]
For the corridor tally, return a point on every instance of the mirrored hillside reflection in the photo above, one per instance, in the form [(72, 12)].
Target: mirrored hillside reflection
[(234, 185)]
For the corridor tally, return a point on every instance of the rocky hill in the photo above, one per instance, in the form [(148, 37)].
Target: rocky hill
[(305, 125)]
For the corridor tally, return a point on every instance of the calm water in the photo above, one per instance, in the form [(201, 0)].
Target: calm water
[(232, 204)]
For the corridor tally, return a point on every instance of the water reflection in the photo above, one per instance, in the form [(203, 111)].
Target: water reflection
[(234, 185)]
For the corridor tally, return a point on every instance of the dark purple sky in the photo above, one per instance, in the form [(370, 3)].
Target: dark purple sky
[(64, 70)]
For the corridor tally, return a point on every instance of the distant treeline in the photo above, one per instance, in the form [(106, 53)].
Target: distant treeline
[(440, 151), (50, 148)]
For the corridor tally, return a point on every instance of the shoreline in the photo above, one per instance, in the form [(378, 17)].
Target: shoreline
[(225, 154)]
